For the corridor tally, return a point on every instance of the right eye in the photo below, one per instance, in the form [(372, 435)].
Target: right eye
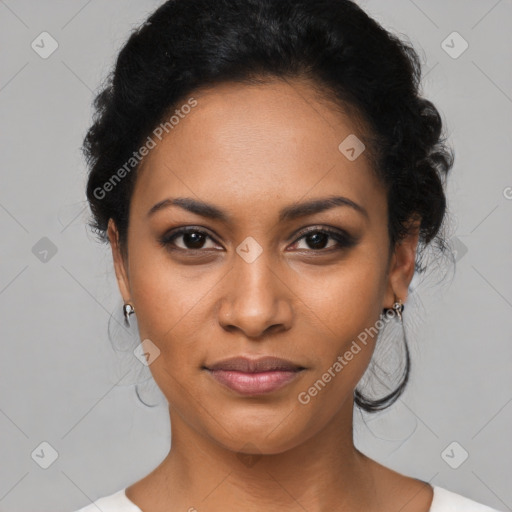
[(193, 239)]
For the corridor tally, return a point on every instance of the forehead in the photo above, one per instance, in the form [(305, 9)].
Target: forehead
[(252, 145)]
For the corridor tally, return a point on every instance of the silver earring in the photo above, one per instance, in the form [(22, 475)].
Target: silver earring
[(128, 309), (398, 307)]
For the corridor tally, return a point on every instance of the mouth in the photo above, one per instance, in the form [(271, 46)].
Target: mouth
[(254, 376)]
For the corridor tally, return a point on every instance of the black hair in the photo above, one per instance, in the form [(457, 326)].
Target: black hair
[(186, 45)]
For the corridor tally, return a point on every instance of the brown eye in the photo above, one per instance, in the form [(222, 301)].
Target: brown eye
[(317, 240), (192, 239)]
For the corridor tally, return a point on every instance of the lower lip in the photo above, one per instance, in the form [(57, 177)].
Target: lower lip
[(254, 383)]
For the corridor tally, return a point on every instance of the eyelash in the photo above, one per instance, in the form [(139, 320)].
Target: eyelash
[(343, 240)]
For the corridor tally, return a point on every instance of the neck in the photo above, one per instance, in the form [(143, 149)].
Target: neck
[(324, 472)]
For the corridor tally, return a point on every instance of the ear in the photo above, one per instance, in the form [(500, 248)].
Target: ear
[(120, 265), (401, 267)]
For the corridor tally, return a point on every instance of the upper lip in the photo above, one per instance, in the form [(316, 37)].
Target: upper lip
[(249, 365)]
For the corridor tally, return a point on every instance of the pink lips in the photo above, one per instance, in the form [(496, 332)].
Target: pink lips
[(254, 376)]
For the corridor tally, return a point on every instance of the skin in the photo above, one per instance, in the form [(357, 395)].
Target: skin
[(252, 150)]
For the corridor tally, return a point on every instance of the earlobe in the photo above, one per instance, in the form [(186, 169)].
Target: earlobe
[(118, 260)]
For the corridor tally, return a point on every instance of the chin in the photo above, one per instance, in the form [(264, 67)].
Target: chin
[(257, 432)]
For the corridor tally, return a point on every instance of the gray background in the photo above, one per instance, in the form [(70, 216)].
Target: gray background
[(62, 381)]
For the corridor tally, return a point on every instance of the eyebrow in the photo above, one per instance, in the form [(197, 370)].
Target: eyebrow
[(288, 213)]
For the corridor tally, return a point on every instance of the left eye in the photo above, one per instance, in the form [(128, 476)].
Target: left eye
[(317, 239)]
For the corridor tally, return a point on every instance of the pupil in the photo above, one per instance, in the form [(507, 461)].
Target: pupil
[(323, 238), (194, 239)]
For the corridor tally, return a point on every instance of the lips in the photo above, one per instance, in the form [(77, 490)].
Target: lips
[(259, 376), (262, 364)]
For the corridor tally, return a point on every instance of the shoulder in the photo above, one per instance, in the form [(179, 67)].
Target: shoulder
[(117, 502), (448, 501)]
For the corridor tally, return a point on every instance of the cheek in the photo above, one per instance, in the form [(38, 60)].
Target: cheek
[(167, 294), (173, 307), (349, 304), (348, 308), (344, 307), (346, 297)]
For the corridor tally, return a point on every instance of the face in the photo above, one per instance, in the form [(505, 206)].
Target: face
[(266, 277)]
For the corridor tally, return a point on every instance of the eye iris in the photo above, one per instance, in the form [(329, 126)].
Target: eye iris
[(194, 239), (318, 239)]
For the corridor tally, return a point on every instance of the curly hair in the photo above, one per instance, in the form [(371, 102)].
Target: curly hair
[(187, 45)]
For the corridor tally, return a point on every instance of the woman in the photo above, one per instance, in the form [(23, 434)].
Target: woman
[(268, 178)]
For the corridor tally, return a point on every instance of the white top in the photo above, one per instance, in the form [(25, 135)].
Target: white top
[(443, 501)]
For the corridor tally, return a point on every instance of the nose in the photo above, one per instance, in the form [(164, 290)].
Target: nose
[(256, 301)]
